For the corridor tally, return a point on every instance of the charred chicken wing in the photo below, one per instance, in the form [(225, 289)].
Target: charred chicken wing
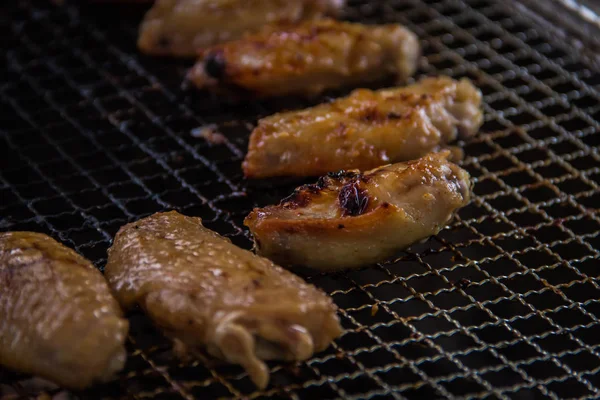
[(307, 58), (207, 294), (351, 219), (58, 318), (365, 130), (182, 27)]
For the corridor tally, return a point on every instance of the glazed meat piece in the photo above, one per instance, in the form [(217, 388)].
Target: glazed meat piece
[(365, 130), (351, 219), (183, 27), (207, 294), (307, 58), (58, 318)]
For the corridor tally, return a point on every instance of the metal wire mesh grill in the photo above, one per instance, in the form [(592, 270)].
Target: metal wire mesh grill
[(504, 303)]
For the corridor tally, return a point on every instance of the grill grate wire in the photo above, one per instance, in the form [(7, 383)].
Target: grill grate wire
[(502, 304)]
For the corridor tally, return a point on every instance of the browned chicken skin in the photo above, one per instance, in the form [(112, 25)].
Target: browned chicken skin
[(308, 58), (58, 318), (365, 130), (208, 294), (183, 27), (350, 219)]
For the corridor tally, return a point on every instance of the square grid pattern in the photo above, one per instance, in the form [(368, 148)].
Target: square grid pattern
[(502, 304)]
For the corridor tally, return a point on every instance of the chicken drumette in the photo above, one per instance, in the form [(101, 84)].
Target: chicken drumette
[(351, 219), (208, 294), (365, 130), (58, 318), (307, 58), (184, 27)]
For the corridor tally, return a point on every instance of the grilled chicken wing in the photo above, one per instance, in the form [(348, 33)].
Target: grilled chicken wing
[(58, 318), (350, 219), (206, 293), (365, 130), (182, 27), (308, 58)]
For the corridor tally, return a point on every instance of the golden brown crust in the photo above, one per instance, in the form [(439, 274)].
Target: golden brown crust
[(209, 294), (184, 27), (351, 219), (365, 129), (58, 318), (308, 58)]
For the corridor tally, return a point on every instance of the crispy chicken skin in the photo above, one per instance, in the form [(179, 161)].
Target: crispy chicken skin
[(58, 318), (349, 219), (308, 58), (365, 130), (208, 294), (183, 27)]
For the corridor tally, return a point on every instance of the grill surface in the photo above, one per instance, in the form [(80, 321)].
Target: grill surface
[(502, 304)]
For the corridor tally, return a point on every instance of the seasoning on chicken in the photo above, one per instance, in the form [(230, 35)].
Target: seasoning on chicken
[(58, 319), (351, 219), (365, 130), (183, 27), (208, 294), (308, 58)]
